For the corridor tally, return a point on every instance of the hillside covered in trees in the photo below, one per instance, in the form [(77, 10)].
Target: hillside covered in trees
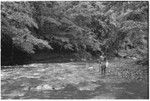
[(77, 28)]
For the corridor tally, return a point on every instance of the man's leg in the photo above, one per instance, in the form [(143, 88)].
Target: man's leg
[(100, 67), (102, 70)]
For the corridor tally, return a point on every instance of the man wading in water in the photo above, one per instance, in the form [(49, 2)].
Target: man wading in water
[(103, 64)]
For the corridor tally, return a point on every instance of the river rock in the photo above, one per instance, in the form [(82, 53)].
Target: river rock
[(44, 87)]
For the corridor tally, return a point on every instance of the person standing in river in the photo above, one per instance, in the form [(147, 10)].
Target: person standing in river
[(103, 64)]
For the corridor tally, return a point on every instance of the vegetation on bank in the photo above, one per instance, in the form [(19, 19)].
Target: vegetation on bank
[(86, 28)]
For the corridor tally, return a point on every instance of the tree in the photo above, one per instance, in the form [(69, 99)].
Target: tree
[(16, 23), (88, 26)]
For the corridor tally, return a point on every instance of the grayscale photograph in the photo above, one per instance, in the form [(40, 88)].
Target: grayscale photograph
[(74, 50)]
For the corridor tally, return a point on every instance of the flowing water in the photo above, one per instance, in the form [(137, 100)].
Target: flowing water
[(72, 81)]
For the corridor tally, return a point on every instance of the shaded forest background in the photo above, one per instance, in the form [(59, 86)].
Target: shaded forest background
[(75, 29)]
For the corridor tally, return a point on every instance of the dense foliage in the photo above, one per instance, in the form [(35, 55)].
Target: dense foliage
[(111, 28)]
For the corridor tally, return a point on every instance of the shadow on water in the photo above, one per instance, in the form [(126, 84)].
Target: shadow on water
[(69, 92), (130, 90), (134, 90)]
